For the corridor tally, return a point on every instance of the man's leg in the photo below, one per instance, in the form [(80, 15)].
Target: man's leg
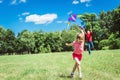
[(92, 45), (89, 49)]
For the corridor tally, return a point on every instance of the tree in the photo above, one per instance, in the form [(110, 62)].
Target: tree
[(39, 41), (54, 40), (2, 43), (67, 37), (10, 41), (116, 21), (27, 41), (90, 19)]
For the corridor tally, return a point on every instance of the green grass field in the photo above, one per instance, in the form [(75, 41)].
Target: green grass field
[(101, 65)]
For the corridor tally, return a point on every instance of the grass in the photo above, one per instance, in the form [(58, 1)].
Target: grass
[(101, 65)]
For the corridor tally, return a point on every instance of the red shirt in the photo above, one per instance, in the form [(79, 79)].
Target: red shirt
[(89, 37)]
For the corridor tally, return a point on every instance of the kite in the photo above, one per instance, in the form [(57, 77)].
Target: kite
[(73, 18)]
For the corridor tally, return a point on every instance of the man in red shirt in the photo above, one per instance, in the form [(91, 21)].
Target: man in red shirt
[(88, 36)]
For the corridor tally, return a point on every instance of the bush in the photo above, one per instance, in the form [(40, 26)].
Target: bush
[(104, 44), (114, 41), (105, 48), (45, 49), (115, 44), (96, 46), (68, 37)]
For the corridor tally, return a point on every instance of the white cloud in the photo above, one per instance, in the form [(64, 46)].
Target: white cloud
[(22, 1), (41, 19), (75, 2), (14, 2), (25, 13), (59, 21), (83, 1), (1, 1), (22, 15), (87, 2)]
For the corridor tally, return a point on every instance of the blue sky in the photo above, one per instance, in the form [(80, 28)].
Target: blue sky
[(47, 15)]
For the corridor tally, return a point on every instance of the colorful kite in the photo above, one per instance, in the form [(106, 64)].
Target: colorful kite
[(73, 18)]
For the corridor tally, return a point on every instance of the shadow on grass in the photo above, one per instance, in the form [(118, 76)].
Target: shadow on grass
[(65, 76), (73, 78)]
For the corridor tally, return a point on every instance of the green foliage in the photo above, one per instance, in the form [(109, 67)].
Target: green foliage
[(90, 20), (115, 21), (27, 41), (10, 39), (54, 40), (104, 44), (2, 42), (7, 41), (114, 42), (39, 40), (75, 28), (68, 37)]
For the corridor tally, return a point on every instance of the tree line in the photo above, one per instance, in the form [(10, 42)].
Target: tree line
[(105, 27)]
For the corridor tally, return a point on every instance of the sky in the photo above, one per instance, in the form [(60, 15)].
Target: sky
[(47, 15)]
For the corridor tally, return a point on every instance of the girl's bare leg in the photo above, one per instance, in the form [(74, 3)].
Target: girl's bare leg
[(74, 68), (78, 67)]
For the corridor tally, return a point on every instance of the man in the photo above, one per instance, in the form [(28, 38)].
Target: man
[(88, 36)]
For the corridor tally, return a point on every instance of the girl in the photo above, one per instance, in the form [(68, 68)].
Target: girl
[(77, 53)]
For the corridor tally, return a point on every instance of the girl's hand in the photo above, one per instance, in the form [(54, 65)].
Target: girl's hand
[(69, 44), (66, 44)]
